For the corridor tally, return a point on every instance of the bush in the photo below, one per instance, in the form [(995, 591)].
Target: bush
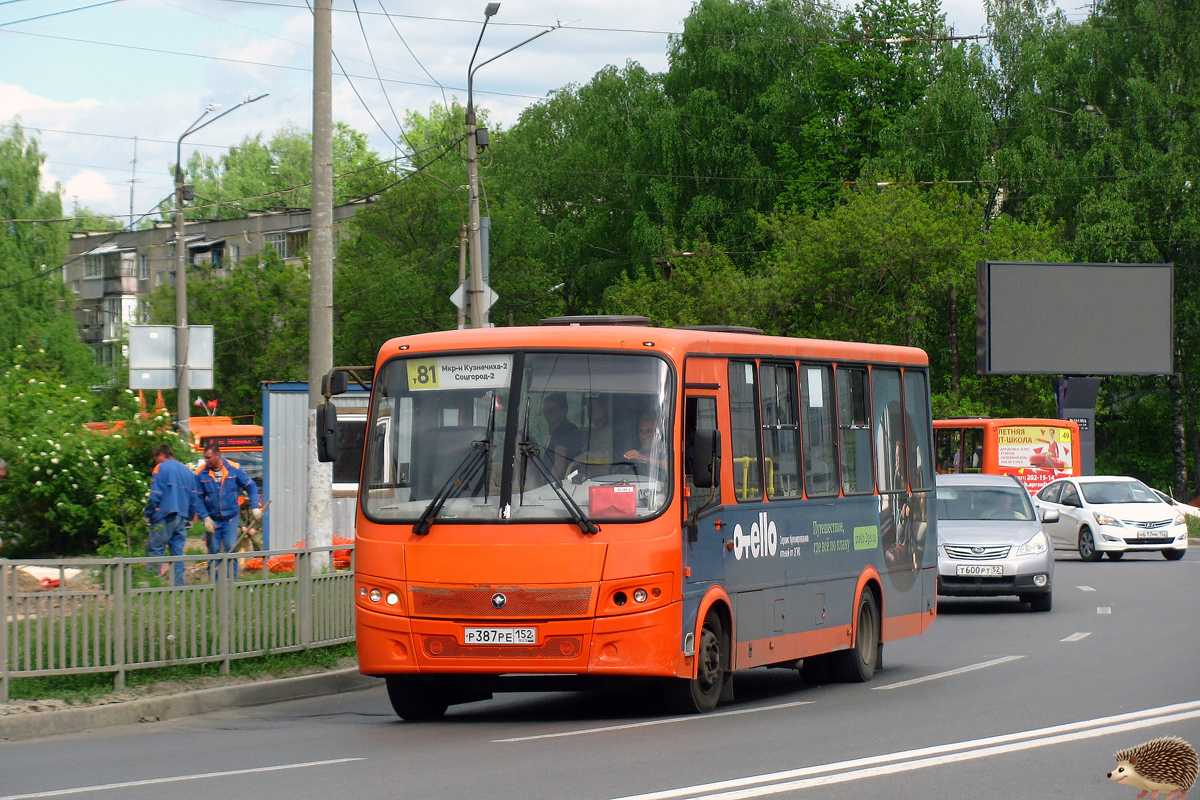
[(70, 490)]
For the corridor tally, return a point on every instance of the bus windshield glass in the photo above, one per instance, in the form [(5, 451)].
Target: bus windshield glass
[(530, 436)]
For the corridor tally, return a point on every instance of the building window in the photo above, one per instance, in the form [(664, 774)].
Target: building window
[(75, 287), (234, 251), (144, 267), (93, 266), (278, 243), (297, 243)]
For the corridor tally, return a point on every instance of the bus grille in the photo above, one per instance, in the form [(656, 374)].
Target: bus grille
[(553, 647), (477, 602)]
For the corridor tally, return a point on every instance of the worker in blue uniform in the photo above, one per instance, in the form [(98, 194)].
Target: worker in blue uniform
[(220, 483), (172, 505)]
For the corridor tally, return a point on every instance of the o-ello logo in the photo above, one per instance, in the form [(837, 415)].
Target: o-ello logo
[(761, 541)]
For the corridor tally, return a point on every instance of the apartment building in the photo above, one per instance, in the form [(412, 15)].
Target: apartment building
[(112, 273)]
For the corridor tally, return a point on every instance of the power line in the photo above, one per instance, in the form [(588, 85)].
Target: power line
[(59, 13)]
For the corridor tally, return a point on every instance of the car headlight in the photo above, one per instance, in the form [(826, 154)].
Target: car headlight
[(1180, 519), (1034, 546), (1105, 519)]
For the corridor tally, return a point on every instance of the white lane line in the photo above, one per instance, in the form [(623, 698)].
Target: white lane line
[(200, 776), (1085, 588), (1075, 637), (648, 723), (948, 674), (1103, 609), (930, 756)]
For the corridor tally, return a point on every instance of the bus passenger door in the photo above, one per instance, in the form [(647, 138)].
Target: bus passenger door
[(704, 543)]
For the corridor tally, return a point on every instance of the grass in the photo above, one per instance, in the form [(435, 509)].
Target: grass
[(91, 686)]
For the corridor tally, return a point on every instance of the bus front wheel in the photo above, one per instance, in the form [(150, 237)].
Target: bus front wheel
[(416, 700), (857, 665), (702, 693)]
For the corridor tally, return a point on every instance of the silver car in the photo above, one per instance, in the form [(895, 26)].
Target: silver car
[(990, 542)]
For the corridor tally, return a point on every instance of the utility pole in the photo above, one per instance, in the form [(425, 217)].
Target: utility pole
[(320, 330)]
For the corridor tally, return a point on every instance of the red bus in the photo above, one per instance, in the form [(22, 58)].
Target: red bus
[(566, 505), (1036, 451)]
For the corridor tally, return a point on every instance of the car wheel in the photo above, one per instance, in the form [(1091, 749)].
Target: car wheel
[(1041, 602), (1087, 546), (1114, 555), (417, 701), (1173, 554), (701, 694), (857, 665)]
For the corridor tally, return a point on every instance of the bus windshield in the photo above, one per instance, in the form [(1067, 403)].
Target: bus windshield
[(540, 436)]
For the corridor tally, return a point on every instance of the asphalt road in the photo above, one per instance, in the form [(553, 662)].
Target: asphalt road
[(994, 701)]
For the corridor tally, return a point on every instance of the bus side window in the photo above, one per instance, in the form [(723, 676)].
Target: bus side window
[(743, 407), (854, 427), (917, 421), (890, 451), (700, 412), (949, 450), (818, 419), (972, 450), (780, 430)]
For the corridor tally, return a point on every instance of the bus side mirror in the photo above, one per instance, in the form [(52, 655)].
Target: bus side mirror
[(706, 458), (328, 445), (334, 382)]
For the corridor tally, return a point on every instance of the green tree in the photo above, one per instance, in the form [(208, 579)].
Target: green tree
[(270, 174), (32, 246)]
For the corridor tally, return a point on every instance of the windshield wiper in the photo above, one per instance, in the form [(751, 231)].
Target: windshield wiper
[(464, 474), (532, 453)]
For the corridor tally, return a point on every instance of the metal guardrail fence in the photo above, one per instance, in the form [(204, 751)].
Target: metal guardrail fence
[(118, 614)]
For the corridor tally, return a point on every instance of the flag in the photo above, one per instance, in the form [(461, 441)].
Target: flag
[(212, 404), (199, 401)]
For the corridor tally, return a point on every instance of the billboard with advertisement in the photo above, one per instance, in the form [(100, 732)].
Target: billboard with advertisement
[(1034, 454)]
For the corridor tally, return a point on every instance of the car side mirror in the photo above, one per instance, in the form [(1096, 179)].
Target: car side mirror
[(328, 440), (1049, 515), (706, 458)]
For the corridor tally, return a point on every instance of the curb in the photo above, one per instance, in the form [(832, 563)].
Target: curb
[(201, 701)]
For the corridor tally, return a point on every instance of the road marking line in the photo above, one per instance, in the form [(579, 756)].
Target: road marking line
[(948, 674), (153, 781), (929, 756), (1085, 588), (647, 723), (1103, 609), (1075, 637)]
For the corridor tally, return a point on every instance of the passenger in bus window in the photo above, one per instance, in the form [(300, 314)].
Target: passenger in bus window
[(565, 441)]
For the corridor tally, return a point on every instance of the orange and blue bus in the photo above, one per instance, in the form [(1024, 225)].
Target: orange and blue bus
[(594, 499)]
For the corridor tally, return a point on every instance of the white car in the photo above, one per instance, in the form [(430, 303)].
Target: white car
[(1107, 515), (1186, 508)]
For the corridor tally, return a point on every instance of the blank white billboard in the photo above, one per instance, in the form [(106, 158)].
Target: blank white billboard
[(152, 357), (1074, 319)]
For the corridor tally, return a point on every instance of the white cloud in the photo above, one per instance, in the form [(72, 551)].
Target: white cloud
[(15, 101)]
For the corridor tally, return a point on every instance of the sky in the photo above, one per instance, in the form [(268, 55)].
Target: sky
[(108, 86)]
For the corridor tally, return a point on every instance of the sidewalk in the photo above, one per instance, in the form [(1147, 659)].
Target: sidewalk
[(25, 719)]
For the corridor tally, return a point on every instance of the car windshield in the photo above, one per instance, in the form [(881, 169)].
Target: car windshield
[(983, 503), (1106, 492), (532, 436)]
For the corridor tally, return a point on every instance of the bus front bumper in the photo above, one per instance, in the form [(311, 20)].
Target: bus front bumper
[(645, 643)]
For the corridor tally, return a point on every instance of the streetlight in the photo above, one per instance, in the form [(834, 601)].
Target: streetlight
[(183, 404), (479, 312)]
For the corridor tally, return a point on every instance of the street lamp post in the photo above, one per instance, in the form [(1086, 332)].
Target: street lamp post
[(475, 299), (183, 404)]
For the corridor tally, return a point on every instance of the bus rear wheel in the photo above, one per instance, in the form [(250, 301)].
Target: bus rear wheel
[(857, 665), (417, 700), (701, 694)]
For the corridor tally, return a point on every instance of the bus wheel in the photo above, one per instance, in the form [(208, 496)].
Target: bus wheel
[(417, 701), (701, 694), (857, 664)]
